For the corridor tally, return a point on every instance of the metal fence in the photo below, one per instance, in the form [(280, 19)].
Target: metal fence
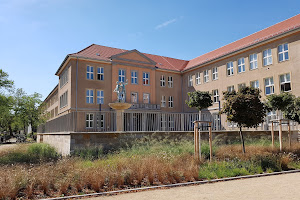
[(136, 121)]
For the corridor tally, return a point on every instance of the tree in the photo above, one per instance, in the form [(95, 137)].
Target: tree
[(292, 111), (4, 82), (244, 108), (199, 100)]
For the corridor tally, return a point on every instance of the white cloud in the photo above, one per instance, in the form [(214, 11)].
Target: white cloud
[(165, 23)]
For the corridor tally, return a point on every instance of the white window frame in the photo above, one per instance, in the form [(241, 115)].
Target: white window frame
[(254, 84), (198, 78), (229, 68), (134, 97), (122, 75), (162, 81), (215, 75), (89, 96), (171, 102), (64, 77), (190, 80), (269, 82), (89, 120), (100, 97), (241, 65), (89, 72), (63, 100), (286, 80), (230, 88), (100, 73), (163, 101), (216, 96), (134, 77), (146, 78), (253, 61), (267, 57), (205, 76), (144, 98), (170, 81), (284, 52)]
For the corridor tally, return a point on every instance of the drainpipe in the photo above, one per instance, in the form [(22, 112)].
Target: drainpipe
[(76, 92)]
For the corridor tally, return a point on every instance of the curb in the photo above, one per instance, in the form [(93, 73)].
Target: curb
[(174, 185)]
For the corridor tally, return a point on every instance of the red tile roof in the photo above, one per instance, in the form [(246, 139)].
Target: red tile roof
[(104, 53), (277, 29)]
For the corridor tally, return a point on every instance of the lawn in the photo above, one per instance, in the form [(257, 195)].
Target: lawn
[(37, 171)]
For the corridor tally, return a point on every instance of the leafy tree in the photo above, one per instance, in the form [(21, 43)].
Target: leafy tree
[(4, 82), (244, 108), (6, 113), (280, 101), (199, 100), (292, 111)]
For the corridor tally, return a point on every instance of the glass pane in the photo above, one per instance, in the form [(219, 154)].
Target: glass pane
[(271, 80), (288, 78), (280, 48), (265, 53), (281, 79), (269, 52), (255, 56), (286, 55), (87, 100), (281, 57), (270, 60), (285, 46), (268, 91)]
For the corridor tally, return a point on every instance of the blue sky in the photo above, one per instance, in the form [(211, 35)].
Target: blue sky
[(36, 35)]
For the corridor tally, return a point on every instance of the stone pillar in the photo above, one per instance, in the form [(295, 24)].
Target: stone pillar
[(120, 120)]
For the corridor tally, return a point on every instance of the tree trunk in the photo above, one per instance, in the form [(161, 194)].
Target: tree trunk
[(242, 139)]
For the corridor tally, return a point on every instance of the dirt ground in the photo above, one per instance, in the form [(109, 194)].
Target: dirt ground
[(281, 187)]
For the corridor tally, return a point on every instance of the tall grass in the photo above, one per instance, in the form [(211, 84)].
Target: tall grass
[(147, 162)]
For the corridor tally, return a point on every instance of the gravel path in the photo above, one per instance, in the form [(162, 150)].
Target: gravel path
[(281, 187)]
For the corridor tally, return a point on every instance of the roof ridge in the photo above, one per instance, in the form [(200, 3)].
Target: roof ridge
[(169, 62)]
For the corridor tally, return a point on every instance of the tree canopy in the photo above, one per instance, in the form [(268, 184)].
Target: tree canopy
[(244, 107), (4, 82), (199, 100)]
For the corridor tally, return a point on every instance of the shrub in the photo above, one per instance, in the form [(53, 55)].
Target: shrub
[(89, 153)]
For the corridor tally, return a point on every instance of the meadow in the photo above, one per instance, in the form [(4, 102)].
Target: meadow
[(33, 171)]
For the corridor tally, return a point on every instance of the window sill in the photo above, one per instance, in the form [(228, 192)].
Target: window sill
[(283, 61)]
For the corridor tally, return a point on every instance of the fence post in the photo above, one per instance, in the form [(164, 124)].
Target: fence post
[(289, 129), (280, 135), (196, 141), (210, 141), (182, 121), (272, 134)]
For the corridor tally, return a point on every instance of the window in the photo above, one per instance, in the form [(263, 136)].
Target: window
[(89, 121), (90, 72), (242, 85), (271, 115), (241, 65), (100, 121), (63, 78), (254, 84), (190, 81), (206, 76), (230, 88), (269, 86), (134, 97), (283, 52), (100, 73), (171, 121), (100, 96), (198, 79), (216, 96), (229, 68), (170, 101), (267, 57), (134, 77), (253, 61), (162, 81), (89, 96), (63, 100), (163, 101), (215, 73), (146, 98), (170, 81), (121, 75), (145, 78), (285, 82)]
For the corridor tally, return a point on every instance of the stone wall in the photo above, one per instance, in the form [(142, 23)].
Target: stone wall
[(66, 142)]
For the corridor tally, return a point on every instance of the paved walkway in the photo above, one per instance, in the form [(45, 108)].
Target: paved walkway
[(281, 187)]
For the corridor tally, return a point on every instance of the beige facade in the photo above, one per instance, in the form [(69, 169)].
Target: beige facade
[(167, 88)]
